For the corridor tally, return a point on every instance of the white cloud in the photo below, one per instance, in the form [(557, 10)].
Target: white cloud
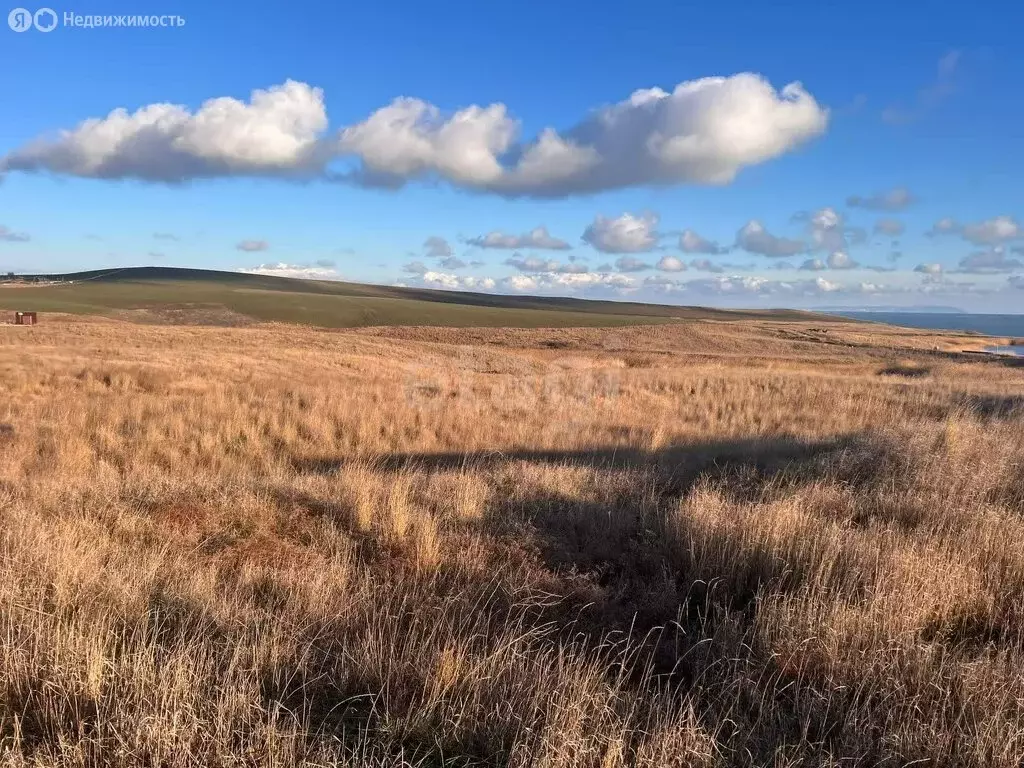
[(944, 226), (890, 227), (999, 229), (521, 282), (277, 132), (814, 265), (631, 264), (415, 268), (705, 131), (826, 286), (410, 138), (994, 260), (9, 236), (929, 269), (452, 282), (547, 281), (671, 264), (664, 284), (691, 242), (302, 271), (625, 234), (533, 264), (705, 265), (485, 283), (828, 231), (252, 246), (753, 237), (895, 199), (441, 279), (538, 238), (841, 260)]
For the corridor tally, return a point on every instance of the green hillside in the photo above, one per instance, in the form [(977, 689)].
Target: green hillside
[(334, 304)]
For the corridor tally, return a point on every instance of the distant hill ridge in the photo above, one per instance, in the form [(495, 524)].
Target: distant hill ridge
[(344, 304)]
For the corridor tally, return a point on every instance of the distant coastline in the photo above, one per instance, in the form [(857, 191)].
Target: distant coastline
[(989, 325)]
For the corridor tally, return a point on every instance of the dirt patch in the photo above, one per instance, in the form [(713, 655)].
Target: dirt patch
[(221, 317), (906, 370)]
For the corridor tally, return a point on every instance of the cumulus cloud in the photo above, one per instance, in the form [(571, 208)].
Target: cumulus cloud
[(415, 268), (691, 242), (895, 199), (303, 271), (944, 226), (761, 286), (479, 283), (626, 234), (671, 264), (534, 264), (757, 286), (706, 265), (841, 260), (664, 284), (452, 262), (538, 238), (827, 231), (440, 279), (814, 265), (557, 281), (890, 227), (753, 237), (631, 264), (10, 236), (276, 133), (999, 229), (437, 247), (252, 246), (455, 282), (326, 263), (929, 269), (993, 260), (705, 131)]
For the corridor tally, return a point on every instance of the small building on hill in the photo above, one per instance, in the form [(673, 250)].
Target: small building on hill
[(25, 318)]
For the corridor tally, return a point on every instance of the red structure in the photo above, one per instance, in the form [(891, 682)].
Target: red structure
[(25, 318)]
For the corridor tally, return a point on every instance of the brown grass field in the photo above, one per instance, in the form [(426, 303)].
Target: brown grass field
[(698, 544)]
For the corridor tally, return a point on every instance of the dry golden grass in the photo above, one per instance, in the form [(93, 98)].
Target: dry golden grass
[(711, 544)]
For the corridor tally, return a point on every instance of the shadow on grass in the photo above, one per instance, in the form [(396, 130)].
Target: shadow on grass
[(678, 461), (993, 406), (625, 569), (640, 578)]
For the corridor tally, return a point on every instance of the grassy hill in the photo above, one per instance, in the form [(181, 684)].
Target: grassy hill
[(335, 304)]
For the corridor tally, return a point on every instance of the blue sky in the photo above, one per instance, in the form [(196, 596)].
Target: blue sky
[(402, 142)]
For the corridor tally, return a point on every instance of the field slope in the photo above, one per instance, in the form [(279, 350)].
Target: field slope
[(691, 545), (231, 298)]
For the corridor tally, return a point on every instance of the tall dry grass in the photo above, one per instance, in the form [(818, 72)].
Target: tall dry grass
[(707, 545)]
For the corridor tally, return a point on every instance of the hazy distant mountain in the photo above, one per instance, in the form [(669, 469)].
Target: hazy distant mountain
[(925, 309)]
